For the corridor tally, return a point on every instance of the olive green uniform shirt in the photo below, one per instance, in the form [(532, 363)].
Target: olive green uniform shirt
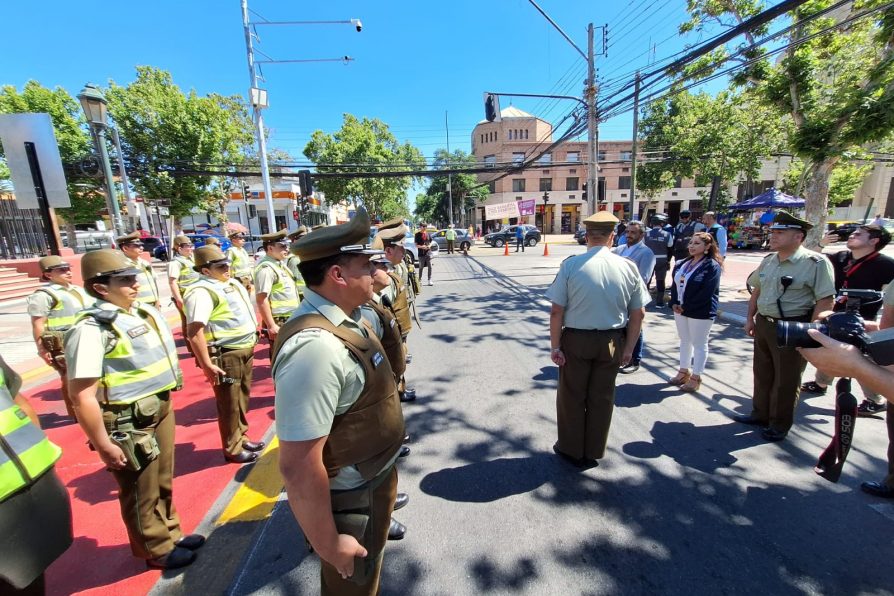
[(598, 289), (812, 280), (316, 379)]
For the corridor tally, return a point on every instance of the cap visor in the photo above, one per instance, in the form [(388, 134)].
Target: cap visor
[(123, 272)]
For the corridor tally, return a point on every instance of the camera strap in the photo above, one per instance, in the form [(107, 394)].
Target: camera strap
[(852, 268), (831, 461)]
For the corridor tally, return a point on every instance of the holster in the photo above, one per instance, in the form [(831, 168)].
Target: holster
[(124, 424), (139, 447)]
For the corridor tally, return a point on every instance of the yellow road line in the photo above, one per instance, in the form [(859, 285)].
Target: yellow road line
[(41, 370), (254, 500)]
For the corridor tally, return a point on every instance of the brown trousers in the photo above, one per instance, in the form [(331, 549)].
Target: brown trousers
[(146, 497), (777, 378), (381, 507), (889, 418), (232, 398), (61, 368), (586, 395)]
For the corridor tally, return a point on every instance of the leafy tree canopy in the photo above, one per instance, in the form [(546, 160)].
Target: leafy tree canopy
[(364, 145), (467, 192)]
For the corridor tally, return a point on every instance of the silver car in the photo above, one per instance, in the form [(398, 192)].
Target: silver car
[(463, 240)]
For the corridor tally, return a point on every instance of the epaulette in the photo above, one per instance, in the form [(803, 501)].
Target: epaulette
[(105, 317), (772, 254), (815, 258)]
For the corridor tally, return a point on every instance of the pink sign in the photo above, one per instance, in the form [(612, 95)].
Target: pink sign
[(526, 207)]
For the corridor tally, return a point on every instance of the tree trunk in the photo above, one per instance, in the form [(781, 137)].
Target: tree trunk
[(816, 195)]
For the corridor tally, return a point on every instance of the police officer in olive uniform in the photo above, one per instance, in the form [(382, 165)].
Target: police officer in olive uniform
[(241, 264), (341, 434), (35, 511), (122, 367), (53, 308), (293, 259), (275, 291), (132, 247), (598, 297), (181, 275), (791, 284), (221, 325)]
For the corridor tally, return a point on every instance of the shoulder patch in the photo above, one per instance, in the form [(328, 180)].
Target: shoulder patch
[(815, 258), (772, 254)]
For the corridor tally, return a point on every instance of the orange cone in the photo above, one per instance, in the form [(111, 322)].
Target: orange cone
[(545, 249), (506, 250)]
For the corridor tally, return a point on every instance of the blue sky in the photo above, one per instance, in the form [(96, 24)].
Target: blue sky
[(414, 60)]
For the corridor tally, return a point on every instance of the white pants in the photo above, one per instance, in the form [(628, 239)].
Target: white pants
[(693, 342)]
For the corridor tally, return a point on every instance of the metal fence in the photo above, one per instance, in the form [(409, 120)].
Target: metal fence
[(21, 232)]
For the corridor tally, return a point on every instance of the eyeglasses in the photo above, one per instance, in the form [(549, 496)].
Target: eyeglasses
[(64, 269), (185, 246), (219, 266)]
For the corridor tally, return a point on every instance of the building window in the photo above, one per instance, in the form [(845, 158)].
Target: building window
[(625, 170), (570, 197), (600, 155), (518, 185), (572, 183), (626, 155), (492, 186), (526, 134), (546, 171), (623, 195), (518, 157), (573, 156), (546, 184), (482, 137), (674, 193), (678, 182), (624, 182), (572, 171), (490, 161), (546, 159)]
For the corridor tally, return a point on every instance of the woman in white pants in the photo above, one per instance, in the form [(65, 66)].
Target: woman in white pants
[(694, 297)]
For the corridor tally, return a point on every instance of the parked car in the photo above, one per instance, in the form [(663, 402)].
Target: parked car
[(198, 240), (463, 240), (409, 241), (155, 247), (88, 238), (507, 236), (581, 235)]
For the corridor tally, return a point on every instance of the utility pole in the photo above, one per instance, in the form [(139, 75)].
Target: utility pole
[(254, 99), (449, 176), (634, 148), (592, 124)]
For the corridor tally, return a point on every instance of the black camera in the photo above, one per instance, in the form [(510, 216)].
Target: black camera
[(847, 327)]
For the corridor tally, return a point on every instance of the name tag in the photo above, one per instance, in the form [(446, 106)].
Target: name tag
[(138, 331), (377, 359), (229, 290)]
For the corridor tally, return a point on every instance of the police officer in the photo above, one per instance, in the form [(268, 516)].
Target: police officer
[(221, 326), (53, 308), (241, 264), (122, 366), (341, 434), (683, 232), (791, 284), (275, 291), (395, 297), (597, 297), (35, 510), (293, 259), (660, 242), (181, 275), (132, 247)]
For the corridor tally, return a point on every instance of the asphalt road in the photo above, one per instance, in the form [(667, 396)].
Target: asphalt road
[(685, 501)]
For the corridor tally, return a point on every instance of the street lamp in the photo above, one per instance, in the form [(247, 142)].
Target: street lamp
[(545, 203), (95, 108)]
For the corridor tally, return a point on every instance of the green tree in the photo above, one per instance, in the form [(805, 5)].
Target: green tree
[(364, 146), (836, 85), (467, 192), (163, 127), (69, 126), (846, 179)]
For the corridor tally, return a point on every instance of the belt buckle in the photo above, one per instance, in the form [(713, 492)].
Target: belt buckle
[(771, 319)]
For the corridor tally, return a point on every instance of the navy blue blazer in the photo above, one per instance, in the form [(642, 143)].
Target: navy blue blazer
[(702, 290)]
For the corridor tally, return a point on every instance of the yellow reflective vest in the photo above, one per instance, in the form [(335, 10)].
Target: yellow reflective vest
[(232, 322), (67, 303)]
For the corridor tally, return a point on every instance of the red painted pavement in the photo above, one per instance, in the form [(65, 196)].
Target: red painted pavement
[(99, 561)]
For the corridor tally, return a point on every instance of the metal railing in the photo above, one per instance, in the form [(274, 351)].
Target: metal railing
[(21, 232)]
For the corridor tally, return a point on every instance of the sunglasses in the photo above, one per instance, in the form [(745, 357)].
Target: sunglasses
[(220, 266), (65, 269), (185, 246)]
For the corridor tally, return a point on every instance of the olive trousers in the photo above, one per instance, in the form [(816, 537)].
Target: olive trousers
[(586, 396), (146, 497), (889, 418), (232, 398), (777, 378), (381, 505)]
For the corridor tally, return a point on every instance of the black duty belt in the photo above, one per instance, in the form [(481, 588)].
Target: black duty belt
[(802, 319), (116, 407), (575, 330)]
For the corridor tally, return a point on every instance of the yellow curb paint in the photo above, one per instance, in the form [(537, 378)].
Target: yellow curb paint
[(36, 372), (259, 493)]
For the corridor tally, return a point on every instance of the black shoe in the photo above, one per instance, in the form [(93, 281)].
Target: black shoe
[(878, 489), (408, 395), (629, 369), (251, 446), (243, 457), (772, 435), (404, 451), (406, 438), (397, 530), (571, 460), (179, 557), (401, 501), (748, 419), (659, 305), (814, 388), (868, 408), (191, 542)]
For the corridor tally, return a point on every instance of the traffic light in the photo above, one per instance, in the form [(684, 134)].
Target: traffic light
[(491, 107), (252, 212), (246, 193), (583, 197), (600, 190), (305, 183)]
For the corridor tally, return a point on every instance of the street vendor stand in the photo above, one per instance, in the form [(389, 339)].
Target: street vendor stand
[(754, 236)]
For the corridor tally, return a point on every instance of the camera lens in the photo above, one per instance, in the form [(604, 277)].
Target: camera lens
[(792, 334)]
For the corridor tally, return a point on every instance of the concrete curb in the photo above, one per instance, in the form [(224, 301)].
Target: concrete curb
[(730, 317)]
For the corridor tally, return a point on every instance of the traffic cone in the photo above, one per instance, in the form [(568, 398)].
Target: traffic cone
[(506, 250), (545, 249)]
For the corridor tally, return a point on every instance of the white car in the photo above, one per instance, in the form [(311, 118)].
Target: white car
[(409, 241)]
